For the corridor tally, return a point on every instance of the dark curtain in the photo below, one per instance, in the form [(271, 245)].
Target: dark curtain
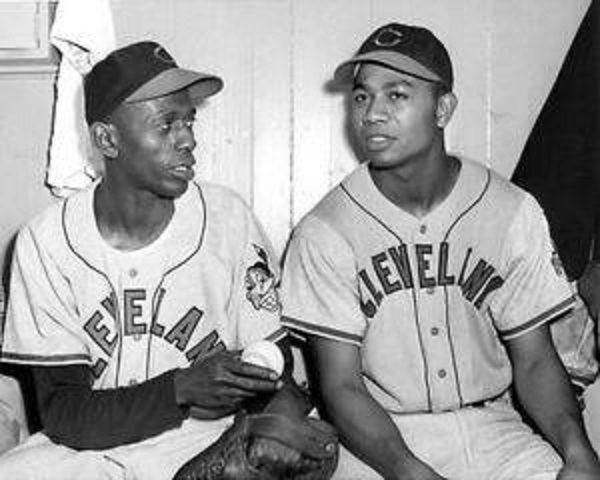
[(560, 162)]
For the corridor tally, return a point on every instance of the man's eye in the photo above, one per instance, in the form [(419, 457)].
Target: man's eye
[(168, 126), (398, 95), (165, 127), (359, 97)]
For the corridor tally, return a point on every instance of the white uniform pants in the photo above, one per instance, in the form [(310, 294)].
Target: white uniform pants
[(475, 443), (156, 458)]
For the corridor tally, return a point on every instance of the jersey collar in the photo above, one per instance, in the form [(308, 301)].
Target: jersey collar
[(187, 226)]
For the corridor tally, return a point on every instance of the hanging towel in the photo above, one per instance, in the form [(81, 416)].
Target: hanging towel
[(83, 32)]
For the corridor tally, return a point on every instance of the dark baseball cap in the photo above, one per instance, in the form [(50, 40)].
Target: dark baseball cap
[(140, 71), (404, 48)]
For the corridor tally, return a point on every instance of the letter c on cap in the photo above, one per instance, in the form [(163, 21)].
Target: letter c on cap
[(163, 56), (388, 37)]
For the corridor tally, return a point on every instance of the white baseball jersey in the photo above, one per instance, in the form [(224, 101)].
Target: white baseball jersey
[(427, 300), (207, 282)]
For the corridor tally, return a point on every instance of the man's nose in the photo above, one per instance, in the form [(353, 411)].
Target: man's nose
[(185, 136), (376, 112)]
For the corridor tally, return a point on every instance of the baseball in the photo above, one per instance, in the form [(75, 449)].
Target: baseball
[(264, 354)]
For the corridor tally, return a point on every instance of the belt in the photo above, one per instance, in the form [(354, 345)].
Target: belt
[(487, 401)]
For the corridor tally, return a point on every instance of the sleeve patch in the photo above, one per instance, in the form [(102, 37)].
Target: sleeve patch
[(261, 283), (557, 264)]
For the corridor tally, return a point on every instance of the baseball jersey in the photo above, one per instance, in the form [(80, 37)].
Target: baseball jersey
[(427, 300), (208, 282)]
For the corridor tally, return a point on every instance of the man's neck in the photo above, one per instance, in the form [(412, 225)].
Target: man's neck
[(418, 188), (128, 220)]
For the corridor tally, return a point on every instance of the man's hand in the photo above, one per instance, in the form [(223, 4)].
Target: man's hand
[(217, 385), (589, 470), (589, 288)]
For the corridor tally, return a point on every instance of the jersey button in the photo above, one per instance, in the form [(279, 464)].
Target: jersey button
[(430, 290), (133, 382), (133, 273), (423, 229), (442, 373), (435, 331)]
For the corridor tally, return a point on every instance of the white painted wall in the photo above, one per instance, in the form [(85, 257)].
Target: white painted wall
[(276, 134)]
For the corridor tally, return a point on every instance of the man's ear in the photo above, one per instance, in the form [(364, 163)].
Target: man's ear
[(446, 104), (105, 138)]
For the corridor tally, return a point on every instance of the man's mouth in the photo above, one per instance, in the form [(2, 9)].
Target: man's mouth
[(185, 172), (378, 142)]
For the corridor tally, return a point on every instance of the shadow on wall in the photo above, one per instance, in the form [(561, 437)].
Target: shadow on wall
[(22, 374), (332, 87), (7, 263)]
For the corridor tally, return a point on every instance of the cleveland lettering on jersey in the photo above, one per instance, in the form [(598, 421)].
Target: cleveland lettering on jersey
[(101, 326), (427, 265)]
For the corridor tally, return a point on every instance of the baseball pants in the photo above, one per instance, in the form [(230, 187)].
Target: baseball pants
[(490, 442), (156, 458)]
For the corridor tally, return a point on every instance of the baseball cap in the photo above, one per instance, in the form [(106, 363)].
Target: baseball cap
[(140, 71), (408, 49)]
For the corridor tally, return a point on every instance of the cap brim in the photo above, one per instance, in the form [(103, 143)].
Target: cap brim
[(200, 85), (344, 73)]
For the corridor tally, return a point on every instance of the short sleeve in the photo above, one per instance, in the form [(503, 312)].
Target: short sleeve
[(535, 288), (574, 337), (319, 287), (40, 308), (255, 304)]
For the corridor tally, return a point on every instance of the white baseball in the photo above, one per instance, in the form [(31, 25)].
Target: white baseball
[(264, 354)]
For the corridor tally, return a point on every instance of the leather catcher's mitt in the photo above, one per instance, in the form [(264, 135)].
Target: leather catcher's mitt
[(229, 457)]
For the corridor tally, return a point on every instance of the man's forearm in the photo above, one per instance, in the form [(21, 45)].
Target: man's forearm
[(377, 441), (76, 416), (545, 392)]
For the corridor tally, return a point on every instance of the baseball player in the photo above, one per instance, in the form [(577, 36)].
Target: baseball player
[(424, 284), (131, 298)]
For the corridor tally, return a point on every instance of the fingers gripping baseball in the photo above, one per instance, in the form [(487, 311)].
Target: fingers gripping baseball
[(217, 385)]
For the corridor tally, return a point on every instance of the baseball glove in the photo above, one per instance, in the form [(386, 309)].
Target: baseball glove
[(267, 447)]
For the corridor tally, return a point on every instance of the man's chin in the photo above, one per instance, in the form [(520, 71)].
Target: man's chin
[(381, 162), (175, 191)]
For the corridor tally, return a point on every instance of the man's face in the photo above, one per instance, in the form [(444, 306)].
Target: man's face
[(393, 115), (155, 143)]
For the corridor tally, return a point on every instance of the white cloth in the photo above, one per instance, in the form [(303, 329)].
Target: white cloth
[(13, 422), (83, 31), (156, 458), (490, 442)]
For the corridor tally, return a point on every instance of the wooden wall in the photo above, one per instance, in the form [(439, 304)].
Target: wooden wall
[(276, 133)]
